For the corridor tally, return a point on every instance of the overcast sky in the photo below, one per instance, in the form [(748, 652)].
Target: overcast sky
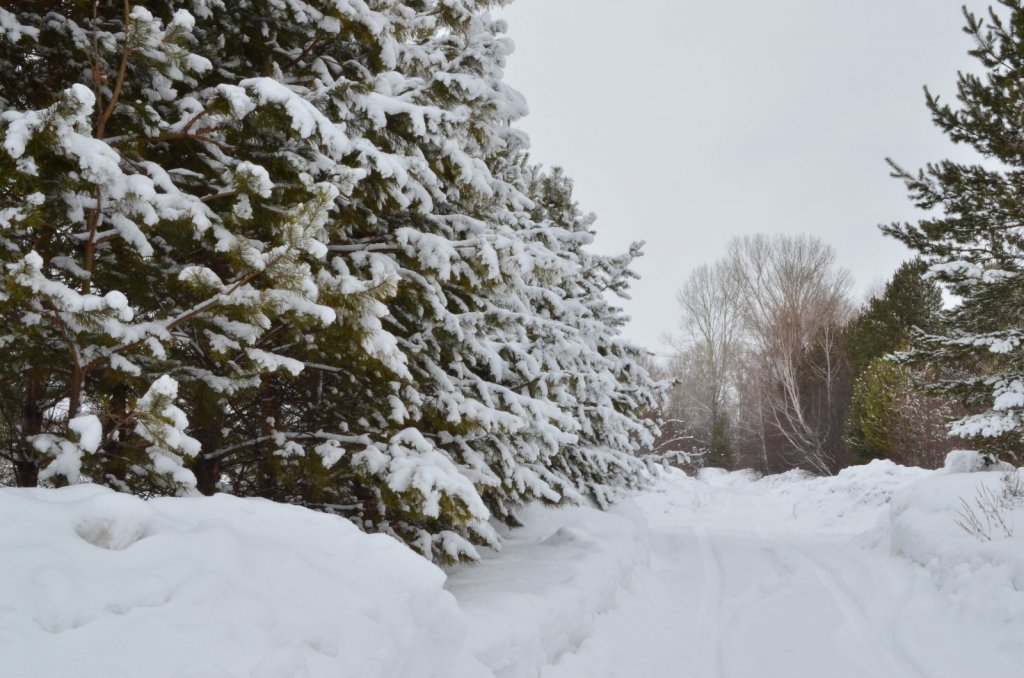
[(685, 124)]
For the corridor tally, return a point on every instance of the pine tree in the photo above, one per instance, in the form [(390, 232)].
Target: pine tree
[(893, 417), (885, 420), (298, 251), (358, 432), (593, 369), (147, 237), (909, 302), (973, 246)]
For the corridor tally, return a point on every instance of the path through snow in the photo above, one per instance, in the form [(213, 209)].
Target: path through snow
[(771, 580), (864, 575)]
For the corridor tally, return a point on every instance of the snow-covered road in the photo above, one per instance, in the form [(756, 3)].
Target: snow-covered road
[(861, 575), (755, 580), (721, 602)]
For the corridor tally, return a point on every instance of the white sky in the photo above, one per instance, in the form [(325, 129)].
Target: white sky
[(687, 123)]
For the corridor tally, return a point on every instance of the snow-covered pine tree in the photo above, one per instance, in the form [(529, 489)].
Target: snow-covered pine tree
[(472, 266), (162, 219), (975, 246), (593, 372), (413, 452), (377, 439), (330, 256)]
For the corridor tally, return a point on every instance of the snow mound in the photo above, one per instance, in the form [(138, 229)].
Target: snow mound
[(965, 528), (969, 461), (719, 477), (851, 502), (540, 597), (103, 585)]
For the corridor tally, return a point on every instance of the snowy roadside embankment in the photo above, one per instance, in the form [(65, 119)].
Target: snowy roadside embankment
[(850, 502), (965, 524), (540, 597), (95, 584)]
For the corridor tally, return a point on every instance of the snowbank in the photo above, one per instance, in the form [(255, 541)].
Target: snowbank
[(963, 523), (540, 597), (851, 502), (95, 584)]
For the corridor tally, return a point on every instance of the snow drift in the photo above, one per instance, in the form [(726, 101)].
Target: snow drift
[(98, 584), (964, 524), (103, 585), (850, 502)]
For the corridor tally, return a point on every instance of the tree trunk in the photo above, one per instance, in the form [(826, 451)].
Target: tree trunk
[(26, 473), (207, 473), (26, 469), (117, 463)]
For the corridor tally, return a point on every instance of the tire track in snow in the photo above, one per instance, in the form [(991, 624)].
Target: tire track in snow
[(709, 615), (889, 659)]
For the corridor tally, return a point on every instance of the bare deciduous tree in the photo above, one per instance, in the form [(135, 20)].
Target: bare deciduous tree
[(712, 329), (793, 299), (761, 350)]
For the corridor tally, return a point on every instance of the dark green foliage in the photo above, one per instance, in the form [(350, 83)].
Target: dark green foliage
[(887, 323), (893, 417), (720, 450), (890, 416)]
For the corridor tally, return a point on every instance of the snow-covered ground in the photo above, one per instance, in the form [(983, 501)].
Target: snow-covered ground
[(864, 574), (95, 584), (789, 577)]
